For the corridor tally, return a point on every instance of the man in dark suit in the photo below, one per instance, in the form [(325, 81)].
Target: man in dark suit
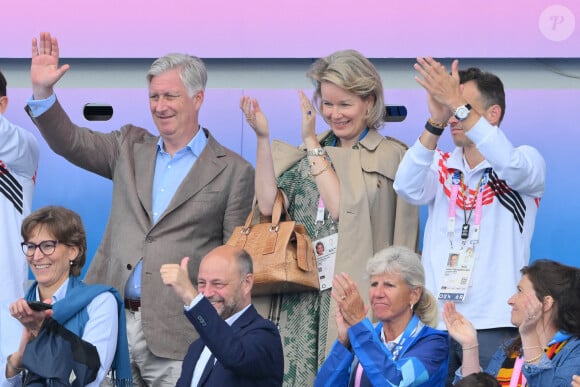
[(176, 194), (237, 347)]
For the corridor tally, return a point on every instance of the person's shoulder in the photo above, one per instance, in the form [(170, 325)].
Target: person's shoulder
[(428, 331), (532, 152), (27, 134), (383, 154), (433, 339), (374, 140), (269, 325), (97, 291), (222, 151), (137, 133), (569, 351), (258, 320), (573, 343), (394, 142), (105, 302), (106, 297), (235, 156), (391, 147)]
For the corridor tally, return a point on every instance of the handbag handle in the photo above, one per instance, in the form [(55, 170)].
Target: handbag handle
[(277, 210), (276, 213)]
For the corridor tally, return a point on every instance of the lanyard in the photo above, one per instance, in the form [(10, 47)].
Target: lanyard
[(409, 332), (320, 215), (456, 184), (320, 212), (516, 372)]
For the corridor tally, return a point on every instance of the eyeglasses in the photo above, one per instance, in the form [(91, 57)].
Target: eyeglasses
[(45, 247)]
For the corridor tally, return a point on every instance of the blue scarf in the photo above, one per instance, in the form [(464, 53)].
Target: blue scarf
[(71, 312)]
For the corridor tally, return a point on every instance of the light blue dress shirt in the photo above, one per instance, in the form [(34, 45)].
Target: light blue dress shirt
[(169, 174)]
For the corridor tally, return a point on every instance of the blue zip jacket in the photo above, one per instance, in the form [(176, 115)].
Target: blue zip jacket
[(422, 362)]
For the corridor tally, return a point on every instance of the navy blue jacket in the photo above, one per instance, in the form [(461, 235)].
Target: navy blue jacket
[(249, 353)]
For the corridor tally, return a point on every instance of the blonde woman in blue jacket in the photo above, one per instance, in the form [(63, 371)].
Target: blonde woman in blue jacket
[(403, 349)]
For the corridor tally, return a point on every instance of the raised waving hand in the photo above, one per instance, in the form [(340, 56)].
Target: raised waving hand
[(44, 69)]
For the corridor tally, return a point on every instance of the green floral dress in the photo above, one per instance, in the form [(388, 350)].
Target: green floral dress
[(303, 317)]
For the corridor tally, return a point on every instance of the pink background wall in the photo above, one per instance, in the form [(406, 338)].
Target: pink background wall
[(295, 28)]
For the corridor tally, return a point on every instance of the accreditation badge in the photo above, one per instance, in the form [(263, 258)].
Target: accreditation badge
[(325, 251), (457, 274)]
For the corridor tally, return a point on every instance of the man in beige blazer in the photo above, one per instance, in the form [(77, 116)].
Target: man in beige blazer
[(156, 217)]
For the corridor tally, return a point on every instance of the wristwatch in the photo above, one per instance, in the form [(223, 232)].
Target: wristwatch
[(316, 152), (462, 112)]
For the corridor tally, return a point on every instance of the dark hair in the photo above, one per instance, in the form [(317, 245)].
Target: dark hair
[(245, 263), (3, 84), (562, 283), (479, 379), (488, 84), (66, 226)]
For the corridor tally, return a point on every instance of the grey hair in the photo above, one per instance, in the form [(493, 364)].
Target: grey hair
[(245, 263), (350, 70), (406, 263), (192, 71)]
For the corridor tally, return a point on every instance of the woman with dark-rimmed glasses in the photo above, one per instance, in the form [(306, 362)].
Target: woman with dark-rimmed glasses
[(69, 327)]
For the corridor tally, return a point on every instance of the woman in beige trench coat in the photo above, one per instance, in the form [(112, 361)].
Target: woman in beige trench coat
[(348, 171)]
